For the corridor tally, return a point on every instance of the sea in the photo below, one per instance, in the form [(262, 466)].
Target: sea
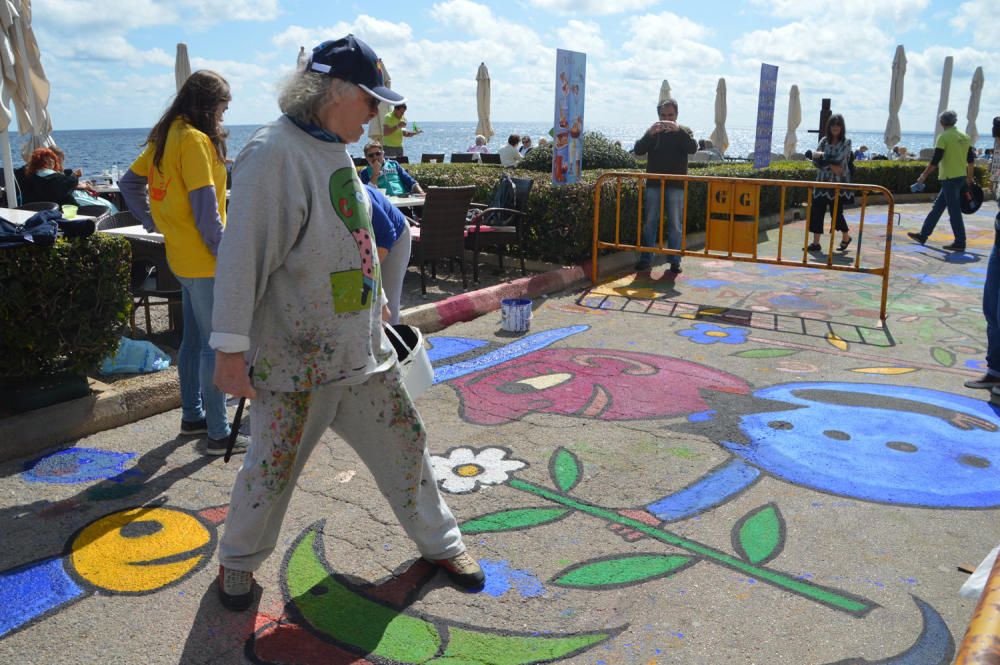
[(103, 151)]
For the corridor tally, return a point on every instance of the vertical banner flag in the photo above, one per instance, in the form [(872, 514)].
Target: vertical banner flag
[(567, 133), (765, 115)]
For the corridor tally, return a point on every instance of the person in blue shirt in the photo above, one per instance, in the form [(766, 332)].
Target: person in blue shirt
[(387, 173), (392, 241)]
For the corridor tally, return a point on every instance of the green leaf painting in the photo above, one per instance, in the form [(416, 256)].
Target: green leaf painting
[(510, 520), (621, 571), (565, 469), (943, 356), (766, 353), (760, 535)]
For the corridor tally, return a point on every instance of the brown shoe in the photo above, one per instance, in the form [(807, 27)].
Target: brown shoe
[(463, 571)]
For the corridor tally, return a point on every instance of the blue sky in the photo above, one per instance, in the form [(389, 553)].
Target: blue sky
[(111, 61)]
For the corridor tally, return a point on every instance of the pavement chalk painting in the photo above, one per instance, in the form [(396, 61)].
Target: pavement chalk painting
[(808, 434), (130, 552)]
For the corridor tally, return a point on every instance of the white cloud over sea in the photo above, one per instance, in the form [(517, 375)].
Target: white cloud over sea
[(111, 62)]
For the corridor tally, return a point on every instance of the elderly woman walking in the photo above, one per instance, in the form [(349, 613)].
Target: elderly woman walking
[(300, 254)]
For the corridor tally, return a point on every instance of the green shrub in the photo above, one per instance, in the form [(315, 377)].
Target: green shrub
[(62, 306), (599, 152), (561, 218)]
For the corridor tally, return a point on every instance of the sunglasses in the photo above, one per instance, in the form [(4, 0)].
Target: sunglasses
[(374, 154)]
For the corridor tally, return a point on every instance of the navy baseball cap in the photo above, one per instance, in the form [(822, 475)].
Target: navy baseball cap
[(350, 59)]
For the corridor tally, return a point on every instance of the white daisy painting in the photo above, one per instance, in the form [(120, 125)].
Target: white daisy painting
[(463, 470)]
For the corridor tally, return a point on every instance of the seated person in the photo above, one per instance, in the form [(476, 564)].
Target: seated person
[(46, 180), (509, 156), (392, 242), (862, 154), (480, 145), (525, 145), (708, 149), (387, 174)]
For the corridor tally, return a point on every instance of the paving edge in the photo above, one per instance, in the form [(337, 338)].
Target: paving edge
[(105, 408)]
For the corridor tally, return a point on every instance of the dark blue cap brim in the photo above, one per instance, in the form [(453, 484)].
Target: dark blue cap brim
[(384, 94)]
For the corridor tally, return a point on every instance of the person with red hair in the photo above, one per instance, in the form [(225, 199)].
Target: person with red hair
[(45, 180)]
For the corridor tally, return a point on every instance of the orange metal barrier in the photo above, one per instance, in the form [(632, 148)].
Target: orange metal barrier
[(736, 201), (980, 646)]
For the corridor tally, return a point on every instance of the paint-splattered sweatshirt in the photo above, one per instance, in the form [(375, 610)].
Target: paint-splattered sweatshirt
[(297, 282)]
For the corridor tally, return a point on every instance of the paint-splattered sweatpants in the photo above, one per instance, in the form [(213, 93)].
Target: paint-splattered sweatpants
[(378, 420)]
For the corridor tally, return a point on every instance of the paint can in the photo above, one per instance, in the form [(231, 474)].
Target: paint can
[(415, 366), (515, 314)]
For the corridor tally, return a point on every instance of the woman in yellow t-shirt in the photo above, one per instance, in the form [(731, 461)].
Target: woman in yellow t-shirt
[(183, 167)]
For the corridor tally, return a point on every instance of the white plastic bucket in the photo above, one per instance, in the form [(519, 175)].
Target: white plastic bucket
[(415, 366), (515, 314)]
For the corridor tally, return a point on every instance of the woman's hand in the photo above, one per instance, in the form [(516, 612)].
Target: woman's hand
[(231, 375)]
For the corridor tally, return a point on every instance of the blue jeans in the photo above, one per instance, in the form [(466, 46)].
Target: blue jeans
[(991, 304), (196, 359), (673, 209), (949, 197)]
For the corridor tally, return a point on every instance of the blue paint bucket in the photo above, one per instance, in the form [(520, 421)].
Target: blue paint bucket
[(515, 314)]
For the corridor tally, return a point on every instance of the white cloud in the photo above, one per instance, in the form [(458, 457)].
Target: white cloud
[(375, 32), (582, 36), (220, 11), (666, 42), (116, 16), (592, 7), (902, 15), (976, 14), (810, 41)]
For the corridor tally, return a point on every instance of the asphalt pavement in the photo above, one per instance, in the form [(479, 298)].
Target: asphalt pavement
[(737, 464)]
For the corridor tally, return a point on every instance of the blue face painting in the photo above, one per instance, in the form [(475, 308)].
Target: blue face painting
[(890, 444), (76, 465)]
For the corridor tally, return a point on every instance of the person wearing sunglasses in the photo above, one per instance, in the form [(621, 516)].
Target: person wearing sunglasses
[(387, 174)]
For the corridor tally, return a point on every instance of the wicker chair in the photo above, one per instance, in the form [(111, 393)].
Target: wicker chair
[(463, 157), (489, 158), (39, 206), (441, 234), (152, 278), (117, 220), (429, 157), (500, 227)]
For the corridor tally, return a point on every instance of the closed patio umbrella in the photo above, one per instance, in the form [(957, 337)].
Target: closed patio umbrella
[(794, 119), (949, 62), (375, 124), (24, 77), (664, 91), (975, 92), (301, 59), (719, 137), (483, 102), (182, 65), (893, 132)]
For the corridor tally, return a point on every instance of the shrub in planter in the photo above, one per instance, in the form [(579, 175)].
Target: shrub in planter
[(62, 306), (599, 152)]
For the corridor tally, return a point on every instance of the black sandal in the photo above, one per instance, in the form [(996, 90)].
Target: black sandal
[(844, 244), (814, 247)]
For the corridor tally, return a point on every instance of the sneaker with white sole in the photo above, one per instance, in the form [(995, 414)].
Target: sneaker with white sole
[(194, 427), (463, 571), (986, 381), (235, 588), (216, 447)]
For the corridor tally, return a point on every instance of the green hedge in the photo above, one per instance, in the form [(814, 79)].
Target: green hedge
[(62, 306), (561, 217)]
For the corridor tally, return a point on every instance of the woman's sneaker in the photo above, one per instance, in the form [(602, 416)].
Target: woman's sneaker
[(463, 571), (235, 588)]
